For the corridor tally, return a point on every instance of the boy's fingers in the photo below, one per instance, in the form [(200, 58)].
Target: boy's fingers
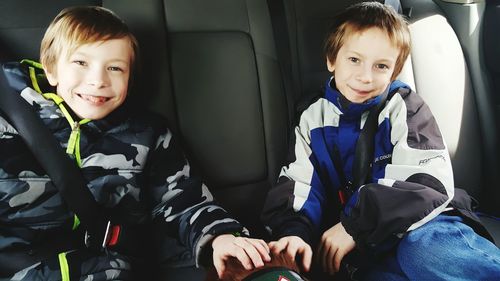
[(292, 250), (262, 248), (254, 253), (272, 246), (319, 253), (250, 252), (260, 241), (338, 258), (219, 267), (328, 259), (264, 244), (279, 246), (242, 256), (306, 258), (331, 260), (324, 259), (336, 262)]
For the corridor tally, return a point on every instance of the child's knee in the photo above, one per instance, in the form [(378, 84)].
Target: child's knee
[(430, 244)]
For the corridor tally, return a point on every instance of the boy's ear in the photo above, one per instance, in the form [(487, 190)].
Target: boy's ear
[(51, 76), (330, 66)]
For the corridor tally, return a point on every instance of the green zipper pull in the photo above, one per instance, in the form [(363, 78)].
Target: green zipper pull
[(73, 138)]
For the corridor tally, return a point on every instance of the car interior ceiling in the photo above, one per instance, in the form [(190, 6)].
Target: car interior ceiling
[(213, 69)]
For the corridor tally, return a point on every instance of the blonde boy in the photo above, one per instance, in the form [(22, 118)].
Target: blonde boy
[(130, 160)]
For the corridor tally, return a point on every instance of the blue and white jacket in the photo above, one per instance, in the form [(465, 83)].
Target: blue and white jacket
[(411, 177)]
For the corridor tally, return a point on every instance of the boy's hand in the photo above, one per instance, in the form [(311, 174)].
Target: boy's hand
[(291, 246), (335, 244), (250, 252)]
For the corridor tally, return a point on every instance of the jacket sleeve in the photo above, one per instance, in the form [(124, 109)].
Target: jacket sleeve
[(417, 184), (183, 207), (294, 207)]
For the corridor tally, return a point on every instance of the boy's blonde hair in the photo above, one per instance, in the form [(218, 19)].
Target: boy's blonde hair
[(76, 26), (360, 17)]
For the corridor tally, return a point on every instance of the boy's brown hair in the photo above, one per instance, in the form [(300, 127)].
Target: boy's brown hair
[(360, 17), (76, 26)]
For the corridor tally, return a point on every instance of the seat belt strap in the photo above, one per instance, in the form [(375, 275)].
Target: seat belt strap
[(396, 4), (61, 169), (363, 155), (283, 53)]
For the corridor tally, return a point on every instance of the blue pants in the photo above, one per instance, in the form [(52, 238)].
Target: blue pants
[(443, 249)]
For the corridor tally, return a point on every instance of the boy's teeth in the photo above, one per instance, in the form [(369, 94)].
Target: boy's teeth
[(94, 98)]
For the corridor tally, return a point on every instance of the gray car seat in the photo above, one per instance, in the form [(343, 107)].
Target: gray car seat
[(217, 62), (216, 65)]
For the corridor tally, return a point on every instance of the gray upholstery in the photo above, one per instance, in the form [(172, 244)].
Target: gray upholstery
[(232, 113), (23, 24), (308, 22), (442, 79), (211, 68), (153, 87)]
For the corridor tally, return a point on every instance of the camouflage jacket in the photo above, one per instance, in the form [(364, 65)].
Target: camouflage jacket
[(132, 165)]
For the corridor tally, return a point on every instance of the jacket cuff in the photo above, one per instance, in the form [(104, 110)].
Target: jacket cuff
[(296, 228), (203, 250)]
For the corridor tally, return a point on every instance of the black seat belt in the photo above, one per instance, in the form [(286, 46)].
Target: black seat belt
[(365, 145), (396, 4), (361, 174), (363, 155), (284, 55), (61, 169)]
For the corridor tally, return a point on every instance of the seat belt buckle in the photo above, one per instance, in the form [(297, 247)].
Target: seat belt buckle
[(345, 193), (110, 238), (342, 197)]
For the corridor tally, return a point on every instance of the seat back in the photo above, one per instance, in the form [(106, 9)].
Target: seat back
[(308, 22), (441, 77), (231, 112), (23, 24), (216, 65)]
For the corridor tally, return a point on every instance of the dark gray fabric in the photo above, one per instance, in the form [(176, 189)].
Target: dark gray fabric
[(423, 132), (231, 107), (308, 24), (24, 23)]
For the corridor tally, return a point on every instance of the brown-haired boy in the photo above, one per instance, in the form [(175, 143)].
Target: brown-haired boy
[(406, 217)]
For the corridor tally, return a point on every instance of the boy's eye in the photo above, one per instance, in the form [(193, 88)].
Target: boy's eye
[(353, 60), (115, 68), (382, 66), (80, 62)]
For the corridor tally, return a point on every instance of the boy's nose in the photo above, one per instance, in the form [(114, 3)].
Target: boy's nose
[(365, 75), (97, 78)]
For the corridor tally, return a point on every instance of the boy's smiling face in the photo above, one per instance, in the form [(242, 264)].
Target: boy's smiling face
[(364, 64), (93, 80)]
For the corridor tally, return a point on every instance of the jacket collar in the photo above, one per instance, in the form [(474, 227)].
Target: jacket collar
[(350, 109)]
